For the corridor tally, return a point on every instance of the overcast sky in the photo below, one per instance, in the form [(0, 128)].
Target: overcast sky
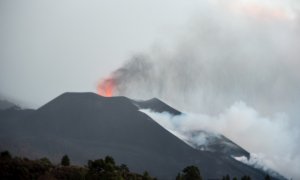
[(49, 47)]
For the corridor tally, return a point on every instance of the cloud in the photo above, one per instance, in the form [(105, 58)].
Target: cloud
[(271, 140)]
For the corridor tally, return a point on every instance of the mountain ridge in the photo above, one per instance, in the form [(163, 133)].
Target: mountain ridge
[(88, 126), (156, 105)]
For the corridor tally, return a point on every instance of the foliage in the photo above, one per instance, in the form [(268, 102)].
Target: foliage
[(246, 178), (5, 155), (179, 177), (65, 160), (189, 173), (99, 169), (23, 168), (124, 168), (45, 161), (227, 177), (146, 176), (107, 169), (267, 177)]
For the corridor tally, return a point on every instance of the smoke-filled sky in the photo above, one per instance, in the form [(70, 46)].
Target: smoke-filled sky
[(232, 65)]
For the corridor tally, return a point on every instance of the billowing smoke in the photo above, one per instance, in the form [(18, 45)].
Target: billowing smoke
[(272, 141), (236, 69)]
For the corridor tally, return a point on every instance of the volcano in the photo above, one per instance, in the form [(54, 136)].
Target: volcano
[(156, 105), (88, 126)]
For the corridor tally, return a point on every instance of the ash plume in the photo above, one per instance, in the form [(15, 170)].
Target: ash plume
[(236, 70)]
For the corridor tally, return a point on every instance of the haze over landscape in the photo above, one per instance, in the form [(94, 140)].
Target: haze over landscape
[(232, 67)]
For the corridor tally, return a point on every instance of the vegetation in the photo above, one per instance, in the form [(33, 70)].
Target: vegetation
[(43, 169), (227, 177), (267, 177), (99, 169), (189, 173), (246, 178), (65, 161), (5, 155)]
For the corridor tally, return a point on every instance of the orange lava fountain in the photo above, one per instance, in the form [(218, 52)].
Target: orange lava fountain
[(262, 10), (106, 87)]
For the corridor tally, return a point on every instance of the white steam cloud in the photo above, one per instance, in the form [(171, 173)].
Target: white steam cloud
[(236, 68), (271, 140)]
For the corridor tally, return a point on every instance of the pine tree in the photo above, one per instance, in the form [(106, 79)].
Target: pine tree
[(5, 155), (65, 161), (191, 173), (267, 177)]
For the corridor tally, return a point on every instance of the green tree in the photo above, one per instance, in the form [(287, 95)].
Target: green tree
[(146, 176), (45, 161), (191, 173), (109, 164), (227, 177), (124, 168), (246, 178), (109, 160), (179, 177), (103, 169), (65, 161), (96, 166), (5, 155), (267, 177)]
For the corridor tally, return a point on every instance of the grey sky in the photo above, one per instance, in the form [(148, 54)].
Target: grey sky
[(49, 47)]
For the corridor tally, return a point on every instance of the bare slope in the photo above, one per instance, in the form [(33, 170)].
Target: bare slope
[(156, 105)]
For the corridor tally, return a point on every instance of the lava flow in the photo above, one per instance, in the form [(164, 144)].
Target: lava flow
[(106, 87)]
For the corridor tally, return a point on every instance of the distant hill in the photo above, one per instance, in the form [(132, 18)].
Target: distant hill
[(156, 105), (215, 143), (7, 105), (88, 126)]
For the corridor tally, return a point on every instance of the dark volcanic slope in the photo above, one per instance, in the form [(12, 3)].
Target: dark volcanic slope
[(87, 126), (7, 105), (10, 121), (156, 105), (216, 143)]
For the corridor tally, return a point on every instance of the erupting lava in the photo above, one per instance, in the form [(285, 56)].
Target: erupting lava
[(262, 10), (106, 87)]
